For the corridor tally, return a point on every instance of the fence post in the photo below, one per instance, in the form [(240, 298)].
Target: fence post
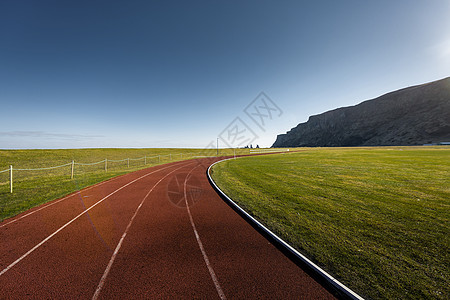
[(181, 155), (159, 159), (170, 156), (128, 162), (11, 178), (71, 169), (145, 160), (106, 165)]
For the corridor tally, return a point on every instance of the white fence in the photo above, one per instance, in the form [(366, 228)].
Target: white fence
[(83, 168), (105, 162)]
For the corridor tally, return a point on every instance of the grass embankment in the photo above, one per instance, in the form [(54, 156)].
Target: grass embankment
[(32, 188), (376, 218)]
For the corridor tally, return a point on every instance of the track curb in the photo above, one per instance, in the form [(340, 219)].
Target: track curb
[(332, 284)]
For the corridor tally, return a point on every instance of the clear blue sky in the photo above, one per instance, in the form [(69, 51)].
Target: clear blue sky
[(92, 73)]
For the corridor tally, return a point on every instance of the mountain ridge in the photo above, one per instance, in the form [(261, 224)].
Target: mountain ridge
[(413, 115)]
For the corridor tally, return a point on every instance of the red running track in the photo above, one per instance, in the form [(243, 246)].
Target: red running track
[(162, 232)]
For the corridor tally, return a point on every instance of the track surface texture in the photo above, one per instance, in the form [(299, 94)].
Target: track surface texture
[(162, 232)]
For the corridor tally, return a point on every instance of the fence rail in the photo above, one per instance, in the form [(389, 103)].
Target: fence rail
[(120, 160), (74, 168), (88, 164), (12, 171)]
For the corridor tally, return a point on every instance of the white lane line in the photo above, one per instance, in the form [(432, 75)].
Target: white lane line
[(200, 244), (32, 212), (113, 257), (52, 203), (57, 201), (71, 221)]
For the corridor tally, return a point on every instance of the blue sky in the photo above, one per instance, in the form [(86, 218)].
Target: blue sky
[(77, 74)]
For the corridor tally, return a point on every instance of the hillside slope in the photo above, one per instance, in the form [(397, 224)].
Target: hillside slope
[(412, 116)]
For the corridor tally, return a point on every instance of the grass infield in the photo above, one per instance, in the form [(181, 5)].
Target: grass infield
[(32, 188), (375, 218)]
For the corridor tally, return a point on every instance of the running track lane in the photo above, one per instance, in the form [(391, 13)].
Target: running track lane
[(162, 232)]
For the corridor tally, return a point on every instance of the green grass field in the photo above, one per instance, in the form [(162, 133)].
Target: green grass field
[(31, 188), (376, 218)]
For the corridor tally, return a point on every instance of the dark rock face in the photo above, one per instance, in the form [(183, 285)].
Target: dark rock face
[(412, 116)]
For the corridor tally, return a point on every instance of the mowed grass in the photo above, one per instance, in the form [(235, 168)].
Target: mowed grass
[(32, 188), (376, 218)]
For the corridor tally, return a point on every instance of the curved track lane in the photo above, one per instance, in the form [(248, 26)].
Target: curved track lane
[(161, 232)]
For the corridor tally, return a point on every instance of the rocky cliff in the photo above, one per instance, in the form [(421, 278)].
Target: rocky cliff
[(412, 116)]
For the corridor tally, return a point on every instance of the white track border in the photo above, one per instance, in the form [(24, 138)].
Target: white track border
[(320, 272)]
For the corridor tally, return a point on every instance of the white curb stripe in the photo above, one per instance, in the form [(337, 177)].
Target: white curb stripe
[(330, 279)]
